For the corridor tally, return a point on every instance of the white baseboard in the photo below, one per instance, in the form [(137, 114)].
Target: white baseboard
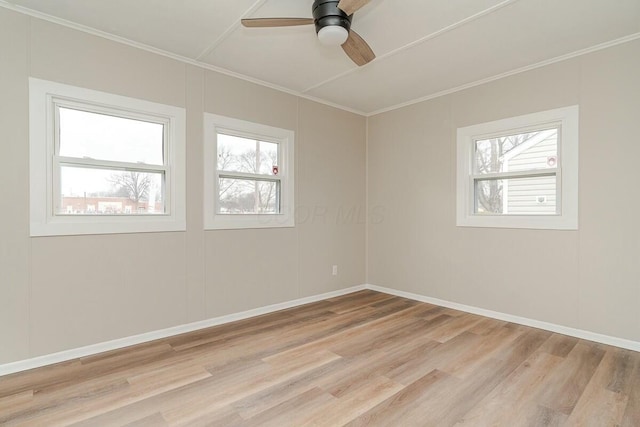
[(564, 330), (63, 356), (89, 350)]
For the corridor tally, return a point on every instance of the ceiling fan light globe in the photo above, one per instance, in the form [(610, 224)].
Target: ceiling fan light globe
[(333, 35)]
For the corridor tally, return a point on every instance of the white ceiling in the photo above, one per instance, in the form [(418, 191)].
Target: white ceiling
[(423, 48)]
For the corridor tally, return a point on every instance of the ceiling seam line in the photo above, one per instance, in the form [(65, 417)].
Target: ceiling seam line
[(257, 5), (414, 43)]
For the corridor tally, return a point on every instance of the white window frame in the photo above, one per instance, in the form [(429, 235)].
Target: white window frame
[(214, 124), (566, 119), (44, 99)]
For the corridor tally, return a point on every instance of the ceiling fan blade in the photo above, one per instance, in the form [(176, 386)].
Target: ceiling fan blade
[(358, 50), (351, 6), (276, 22)]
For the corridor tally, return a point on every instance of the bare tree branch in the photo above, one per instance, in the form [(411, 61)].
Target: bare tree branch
[(135, 184)]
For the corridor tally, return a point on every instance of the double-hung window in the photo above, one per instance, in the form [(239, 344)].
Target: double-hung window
[(102, 163), (520, 172), (249, 174)]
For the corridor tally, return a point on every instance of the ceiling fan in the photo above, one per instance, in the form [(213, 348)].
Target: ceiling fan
[(332, 19)]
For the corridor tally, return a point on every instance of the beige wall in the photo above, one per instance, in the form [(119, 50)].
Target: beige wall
[(14, 212), (59, 293), (587, 279)]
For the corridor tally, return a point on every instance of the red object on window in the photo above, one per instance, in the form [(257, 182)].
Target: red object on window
[(276, 169)]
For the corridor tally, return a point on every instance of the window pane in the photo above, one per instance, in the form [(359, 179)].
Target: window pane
[(104, 137), (236, 154), (245, 196), (87, 191), (519, 152), (516, 196)]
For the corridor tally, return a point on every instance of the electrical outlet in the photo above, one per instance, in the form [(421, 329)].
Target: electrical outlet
[(335, 270)]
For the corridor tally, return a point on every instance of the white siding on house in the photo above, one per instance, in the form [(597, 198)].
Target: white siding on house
[(530, 196), (535, 196), (534, 157)]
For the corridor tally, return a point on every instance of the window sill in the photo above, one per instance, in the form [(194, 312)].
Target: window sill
[(233, 222), (73, 226), (547, 222)]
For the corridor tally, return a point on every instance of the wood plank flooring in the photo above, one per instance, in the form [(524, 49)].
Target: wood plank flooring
[(364, 359)]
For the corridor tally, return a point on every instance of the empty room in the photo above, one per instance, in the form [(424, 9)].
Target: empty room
[(320, 213)]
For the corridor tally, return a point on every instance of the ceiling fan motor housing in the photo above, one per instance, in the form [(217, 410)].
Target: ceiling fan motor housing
[(326, 13)]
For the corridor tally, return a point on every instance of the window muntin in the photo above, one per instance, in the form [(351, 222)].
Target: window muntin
[(242, 196), (88, 134), (535, 195), (248, 180), (96, 191), (249, 174), (520, 151), (513, 173), (519, 172), (87, 147), (246, 154), (114, 161)]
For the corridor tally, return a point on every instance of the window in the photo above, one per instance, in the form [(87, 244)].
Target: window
[(249, 174), (103, 163), (520, 172)]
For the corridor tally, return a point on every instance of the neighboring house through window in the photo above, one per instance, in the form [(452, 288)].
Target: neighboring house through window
[(520, 172)]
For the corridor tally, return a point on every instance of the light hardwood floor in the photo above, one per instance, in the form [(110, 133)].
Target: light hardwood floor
[(363, 359)]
